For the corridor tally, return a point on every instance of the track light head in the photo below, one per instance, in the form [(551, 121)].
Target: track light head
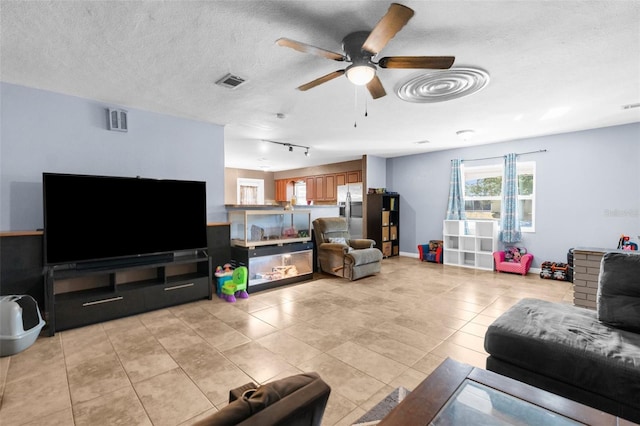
[(306, 153), (290, 149)]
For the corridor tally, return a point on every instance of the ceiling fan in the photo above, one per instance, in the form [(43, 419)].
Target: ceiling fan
[(360, 47)]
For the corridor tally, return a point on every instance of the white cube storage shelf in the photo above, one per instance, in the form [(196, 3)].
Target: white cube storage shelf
[(470, 243)]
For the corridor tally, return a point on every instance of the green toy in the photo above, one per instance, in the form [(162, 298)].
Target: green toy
[(237, 286)]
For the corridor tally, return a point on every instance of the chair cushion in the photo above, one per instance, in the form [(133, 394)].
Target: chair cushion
[(338, 240), (568, 344), (514, 254), (365, 256), (618, 297)]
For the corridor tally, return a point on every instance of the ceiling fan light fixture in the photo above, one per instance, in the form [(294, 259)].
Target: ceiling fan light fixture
[(360, 74)]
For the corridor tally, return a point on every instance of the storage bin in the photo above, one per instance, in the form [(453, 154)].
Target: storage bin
[(20, 323)]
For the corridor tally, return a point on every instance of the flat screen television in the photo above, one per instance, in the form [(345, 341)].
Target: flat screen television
[(97, 218)]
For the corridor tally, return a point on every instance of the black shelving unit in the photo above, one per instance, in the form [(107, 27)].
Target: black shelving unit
[(383, 222)]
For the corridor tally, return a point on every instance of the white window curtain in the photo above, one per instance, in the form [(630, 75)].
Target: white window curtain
[(248, 194)]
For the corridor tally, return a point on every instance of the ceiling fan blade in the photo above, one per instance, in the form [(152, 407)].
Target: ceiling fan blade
[(431, 62), (375, 88), (319, 81), (307, 48), (396, 17)]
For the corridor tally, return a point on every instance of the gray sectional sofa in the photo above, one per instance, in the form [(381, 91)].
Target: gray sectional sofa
[(592, 357)]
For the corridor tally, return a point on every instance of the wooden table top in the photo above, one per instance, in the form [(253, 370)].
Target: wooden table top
[(424, 403)]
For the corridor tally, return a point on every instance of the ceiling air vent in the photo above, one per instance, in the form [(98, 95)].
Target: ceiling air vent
[(629, 106), (230, 81)]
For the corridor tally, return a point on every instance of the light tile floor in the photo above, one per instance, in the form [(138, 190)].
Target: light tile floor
[(174, 366)]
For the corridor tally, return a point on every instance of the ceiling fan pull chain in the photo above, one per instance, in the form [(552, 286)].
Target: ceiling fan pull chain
[(366, 112), (355, 106)]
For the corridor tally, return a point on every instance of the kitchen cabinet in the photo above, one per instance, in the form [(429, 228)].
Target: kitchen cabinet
[(320, 188), (354, 176), (281, 190), (311, 188), (330, 190)]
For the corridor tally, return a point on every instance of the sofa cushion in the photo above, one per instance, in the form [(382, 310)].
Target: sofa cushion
[(618, 298), (568, 344)]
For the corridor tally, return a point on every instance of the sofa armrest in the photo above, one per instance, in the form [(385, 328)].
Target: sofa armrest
[(498, 256), (361, 243), (526, 260)]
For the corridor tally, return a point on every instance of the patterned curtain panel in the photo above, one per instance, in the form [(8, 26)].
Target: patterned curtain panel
[(455, 206), (509, 223), (248, 194)]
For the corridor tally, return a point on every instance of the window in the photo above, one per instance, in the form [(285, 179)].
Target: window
[(250, 191), (300, 191), (482, 192)]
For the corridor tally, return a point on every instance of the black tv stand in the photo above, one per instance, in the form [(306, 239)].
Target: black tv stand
[(76, 297)]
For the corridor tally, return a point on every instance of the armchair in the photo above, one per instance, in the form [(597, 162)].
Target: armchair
[(342, 256)]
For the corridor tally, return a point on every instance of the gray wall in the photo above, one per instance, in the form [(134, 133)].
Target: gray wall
[(48, 132), (376, 173), (587, 190)]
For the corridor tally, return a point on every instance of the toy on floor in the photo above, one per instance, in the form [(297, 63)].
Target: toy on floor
[(223, 274), (431, 252), (237, 286)]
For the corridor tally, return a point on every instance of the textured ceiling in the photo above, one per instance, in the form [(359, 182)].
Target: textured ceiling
[(554, 66)]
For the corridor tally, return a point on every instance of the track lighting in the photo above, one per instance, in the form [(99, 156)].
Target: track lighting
[(290, 146)]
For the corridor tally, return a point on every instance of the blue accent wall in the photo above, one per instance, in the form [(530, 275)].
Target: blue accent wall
[(587, 189), (49, 132)]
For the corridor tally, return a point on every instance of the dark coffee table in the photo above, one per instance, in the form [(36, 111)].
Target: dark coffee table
[(459, 394)]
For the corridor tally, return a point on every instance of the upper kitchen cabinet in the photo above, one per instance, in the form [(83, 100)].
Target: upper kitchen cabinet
[(284, 189), (341, 179), (311, 188), (354, 176), (320, 186), (330, 187)]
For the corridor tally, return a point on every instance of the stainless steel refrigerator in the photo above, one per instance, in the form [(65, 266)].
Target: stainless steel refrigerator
[(350, 202)]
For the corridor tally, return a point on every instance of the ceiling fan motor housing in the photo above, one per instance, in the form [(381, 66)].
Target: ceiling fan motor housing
[(352, 47)]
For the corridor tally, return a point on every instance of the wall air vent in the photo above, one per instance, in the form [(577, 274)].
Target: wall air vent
[(230, 81), (117, 120)]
